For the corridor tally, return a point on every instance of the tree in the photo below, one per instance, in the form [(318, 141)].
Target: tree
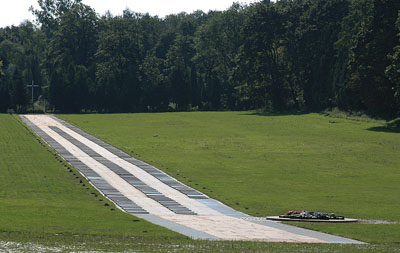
[(13, 82), (180, 70), (375, 41), (118, 58), (19, 96), (71, 56), (217, 44), (4, 92), (284, 55), (350, 26), (393, 70), (260, 59), (50, 12), (309, 52), (153, 83)]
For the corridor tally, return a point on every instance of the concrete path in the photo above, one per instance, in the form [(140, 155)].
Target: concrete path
[(146, 192)]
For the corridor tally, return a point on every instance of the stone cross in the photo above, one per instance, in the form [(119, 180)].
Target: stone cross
[(33, 86)]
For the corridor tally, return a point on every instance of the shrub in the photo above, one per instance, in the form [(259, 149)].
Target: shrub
[(394, 123)]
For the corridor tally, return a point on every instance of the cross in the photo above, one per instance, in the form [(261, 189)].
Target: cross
[(33, 86)]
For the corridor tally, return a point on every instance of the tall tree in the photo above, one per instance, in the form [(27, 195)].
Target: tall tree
[(155, 95), (180, 68), (351, 25), (50, 12), (393, 70), (272, 55), (71, 55), (375, 41), (260, 59), (311, 48), (217, 44), (4, 92), (118, 57), (19, 96)]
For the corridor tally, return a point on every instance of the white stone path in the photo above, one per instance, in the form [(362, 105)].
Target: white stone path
[(207, 220)]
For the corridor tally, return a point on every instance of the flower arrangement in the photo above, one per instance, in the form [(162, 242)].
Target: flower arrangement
[(311, 215)]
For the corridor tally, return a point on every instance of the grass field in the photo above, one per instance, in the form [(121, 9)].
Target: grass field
[(40, 197), (268, 164), (233, 156)]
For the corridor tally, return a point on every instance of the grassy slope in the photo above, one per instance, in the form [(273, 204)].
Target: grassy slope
[(43, 203), (265, 165), (40, 197)]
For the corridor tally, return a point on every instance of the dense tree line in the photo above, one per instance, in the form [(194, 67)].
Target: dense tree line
[(288, 55)]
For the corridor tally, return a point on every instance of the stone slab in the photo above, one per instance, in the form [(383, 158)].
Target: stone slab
[(211, 220)]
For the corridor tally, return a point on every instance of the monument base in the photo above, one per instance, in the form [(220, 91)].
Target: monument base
[(277, 218)]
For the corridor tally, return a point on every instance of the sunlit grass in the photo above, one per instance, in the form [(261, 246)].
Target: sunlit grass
[(241, 159), (41, 195), (268, 164)]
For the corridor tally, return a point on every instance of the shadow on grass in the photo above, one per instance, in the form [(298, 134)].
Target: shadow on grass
[(383, 129)]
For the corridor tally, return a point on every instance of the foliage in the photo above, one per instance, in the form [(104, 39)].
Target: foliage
[(300, 55), (369, 59), (71, 55), (260, 58), (393, 70), (394, 123)]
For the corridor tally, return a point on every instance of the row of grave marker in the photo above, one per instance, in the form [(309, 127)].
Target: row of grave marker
[(128, 177), (95, 179), (163, 177), (106, 189)]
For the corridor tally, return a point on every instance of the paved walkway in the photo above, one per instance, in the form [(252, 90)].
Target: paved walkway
[(146, 192)]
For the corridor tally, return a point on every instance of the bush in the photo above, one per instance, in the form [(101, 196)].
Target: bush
[(394, 123)]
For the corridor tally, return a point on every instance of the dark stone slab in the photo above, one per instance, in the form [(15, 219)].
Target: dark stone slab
[(128, 177), (163, 177), (89, 174)]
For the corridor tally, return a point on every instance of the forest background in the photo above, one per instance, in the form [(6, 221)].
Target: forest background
[(283, 56)]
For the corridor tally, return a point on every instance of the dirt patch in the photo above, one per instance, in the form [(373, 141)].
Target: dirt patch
[(377, 222)]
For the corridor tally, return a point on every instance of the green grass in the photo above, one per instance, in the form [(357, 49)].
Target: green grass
[(39, 196), (43, 206), (109, 244), (268, 164)]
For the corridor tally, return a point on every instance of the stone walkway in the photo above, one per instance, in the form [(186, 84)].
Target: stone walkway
[(146, 192)]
